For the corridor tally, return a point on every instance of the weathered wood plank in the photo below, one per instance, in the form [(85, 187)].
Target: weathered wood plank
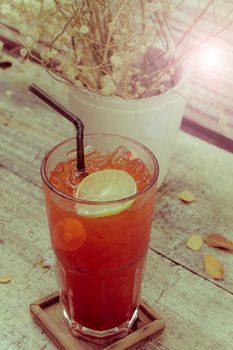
[(191, 306), (207, 172), (25, 240), (28, 128)]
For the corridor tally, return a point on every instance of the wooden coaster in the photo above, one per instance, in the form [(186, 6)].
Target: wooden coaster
[(47, 313)]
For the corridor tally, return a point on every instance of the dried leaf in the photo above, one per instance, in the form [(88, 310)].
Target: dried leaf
[(6, 278), (5, 64), (8, 93), (218, 241), (46, 262), (186, 196), (195, 242), (2, 241), (213, 267)]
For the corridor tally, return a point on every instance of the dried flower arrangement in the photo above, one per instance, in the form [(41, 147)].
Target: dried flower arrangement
[(123, 48)]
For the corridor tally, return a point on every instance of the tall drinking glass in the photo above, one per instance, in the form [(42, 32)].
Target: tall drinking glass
[(100, 246)]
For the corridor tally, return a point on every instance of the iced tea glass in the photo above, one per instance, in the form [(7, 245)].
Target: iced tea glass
[(100, 260)]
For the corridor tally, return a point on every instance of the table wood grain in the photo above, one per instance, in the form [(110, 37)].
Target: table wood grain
[(197, 309)]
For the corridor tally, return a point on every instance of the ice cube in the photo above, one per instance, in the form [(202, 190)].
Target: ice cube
[(71, 154), (133, 155), (89, 149), (120, 154)]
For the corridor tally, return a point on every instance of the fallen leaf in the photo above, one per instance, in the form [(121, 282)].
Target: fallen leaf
[(8, 93), (213, 267), (195, 242), (186, 196), (6, 278), (46, 262), (218, 241), (5, 64), (2, 241)]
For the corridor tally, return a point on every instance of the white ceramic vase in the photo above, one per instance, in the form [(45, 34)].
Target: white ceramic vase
[(154, 121)]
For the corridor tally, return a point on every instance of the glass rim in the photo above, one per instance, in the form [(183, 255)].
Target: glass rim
[(116, 201)]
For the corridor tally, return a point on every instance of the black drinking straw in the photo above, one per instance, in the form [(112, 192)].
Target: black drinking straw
[(71, 117)]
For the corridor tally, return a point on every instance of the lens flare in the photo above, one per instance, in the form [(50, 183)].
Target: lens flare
[(209, 59)]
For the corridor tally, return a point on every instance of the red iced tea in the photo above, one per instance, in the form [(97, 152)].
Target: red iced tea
[(100, 258)]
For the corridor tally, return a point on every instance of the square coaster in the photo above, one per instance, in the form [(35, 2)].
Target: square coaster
[(47, 313)]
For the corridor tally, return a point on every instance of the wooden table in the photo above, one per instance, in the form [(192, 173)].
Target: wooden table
[(197, 309)]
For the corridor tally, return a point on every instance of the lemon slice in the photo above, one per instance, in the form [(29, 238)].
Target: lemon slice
[(105, 185)]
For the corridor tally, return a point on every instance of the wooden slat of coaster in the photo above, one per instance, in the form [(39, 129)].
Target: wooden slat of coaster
[(47, 313)]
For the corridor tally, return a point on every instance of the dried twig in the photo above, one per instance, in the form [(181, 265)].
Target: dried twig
[(105, 45)]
